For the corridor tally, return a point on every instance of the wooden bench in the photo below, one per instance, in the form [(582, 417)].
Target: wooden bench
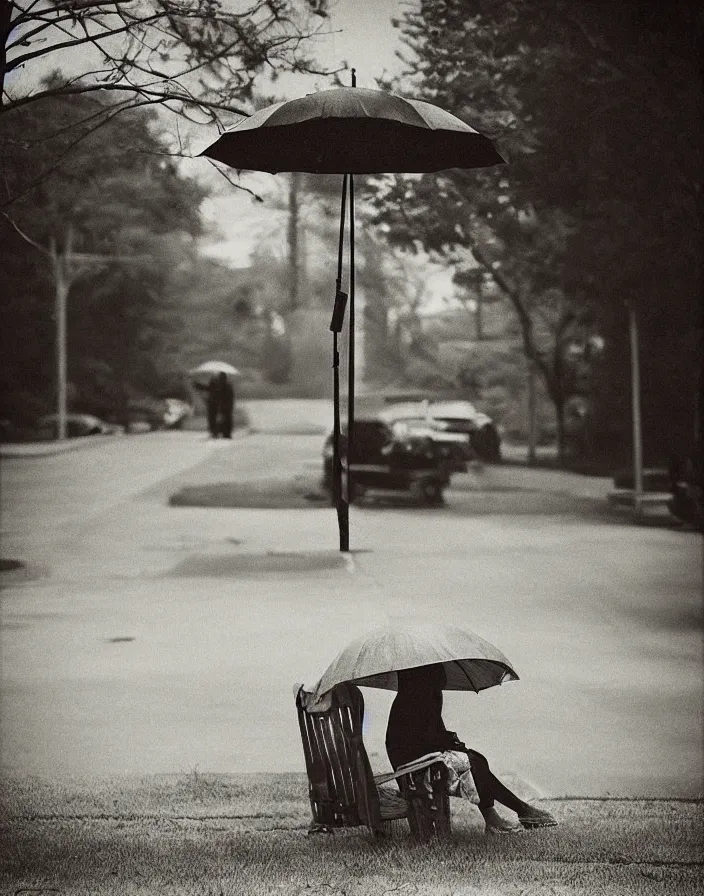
[(343, 790)]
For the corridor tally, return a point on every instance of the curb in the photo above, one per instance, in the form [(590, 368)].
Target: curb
[(48, 449)]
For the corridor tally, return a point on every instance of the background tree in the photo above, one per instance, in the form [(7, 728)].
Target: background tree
[(192, 56), (120, 199), (594, 107)]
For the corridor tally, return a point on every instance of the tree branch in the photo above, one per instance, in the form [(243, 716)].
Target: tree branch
[(524, 319), (20, 60), (24, 236), (228, 177), (157, 96)]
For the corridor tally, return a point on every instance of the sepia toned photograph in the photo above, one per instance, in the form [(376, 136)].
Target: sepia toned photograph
[(351, 443)]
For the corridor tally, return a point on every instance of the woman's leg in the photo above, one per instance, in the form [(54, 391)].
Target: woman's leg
[(490, 788)]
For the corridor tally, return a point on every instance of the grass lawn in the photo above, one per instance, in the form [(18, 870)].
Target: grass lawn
[(246, 834)]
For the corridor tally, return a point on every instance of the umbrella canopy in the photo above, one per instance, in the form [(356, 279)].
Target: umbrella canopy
[(470, 662), (212, 368), (352, 130)]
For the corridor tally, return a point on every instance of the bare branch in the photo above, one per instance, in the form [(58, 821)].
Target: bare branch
[(25, 38), (20, 60), (238, 186), (24, 236), (157, 96)]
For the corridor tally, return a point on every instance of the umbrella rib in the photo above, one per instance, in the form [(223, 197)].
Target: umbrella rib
[(466, 675)]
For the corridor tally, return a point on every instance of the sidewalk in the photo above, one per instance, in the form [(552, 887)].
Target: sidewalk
[(49, 448)]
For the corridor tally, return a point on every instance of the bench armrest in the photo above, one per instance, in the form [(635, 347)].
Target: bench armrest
[(415, 766)]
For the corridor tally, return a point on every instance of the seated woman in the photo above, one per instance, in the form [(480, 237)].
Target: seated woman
[(416, 727)]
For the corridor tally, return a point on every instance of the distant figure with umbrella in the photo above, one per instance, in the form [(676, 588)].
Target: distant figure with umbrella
[(220, 405), (220, 395), (225, 404), (416, 727)]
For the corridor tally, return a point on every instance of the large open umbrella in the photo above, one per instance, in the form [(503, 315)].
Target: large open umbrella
[(373, 660), (350, 130)]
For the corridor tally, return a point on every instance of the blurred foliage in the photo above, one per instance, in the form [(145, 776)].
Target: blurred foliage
[(124, 221), (595, 107)]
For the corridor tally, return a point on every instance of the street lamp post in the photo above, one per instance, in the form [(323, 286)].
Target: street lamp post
[(64, 265), (636, 413), (61, 285)]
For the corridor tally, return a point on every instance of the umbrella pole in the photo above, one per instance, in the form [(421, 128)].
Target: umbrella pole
[(338, 316), (350, 355)]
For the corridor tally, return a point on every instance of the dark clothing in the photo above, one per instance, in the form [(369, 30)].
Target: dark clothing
[(488, 785), (220, 405), (211, 403), (416, 727), (225, 400), (227, 403), (212, 407)]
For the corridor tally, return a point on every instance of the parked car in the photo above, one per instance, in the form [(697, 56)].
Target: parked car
[(145, 414), (176, 412), (687, 486), (76, 425), (462, 416), (388, 458)]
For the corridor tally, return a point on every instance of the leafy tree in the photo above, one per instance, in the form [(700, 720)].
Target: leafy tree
[(119, 219), (199, 60), (592, 106)]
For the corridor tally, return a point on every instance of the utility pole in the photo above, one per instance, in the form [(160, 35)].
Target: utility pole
[(532, 412), (478, 313), (293, 215), (65, 272), (62, 265), (636, 414)]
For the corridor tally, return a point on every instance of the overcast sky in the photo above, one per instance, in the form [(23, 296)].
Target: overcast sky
[(365, 37), (359, 32)]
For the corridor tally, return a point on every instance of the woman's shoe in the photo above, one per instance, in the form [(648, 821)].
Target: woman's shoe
[(495, 824), (505, 828), (537, 819)]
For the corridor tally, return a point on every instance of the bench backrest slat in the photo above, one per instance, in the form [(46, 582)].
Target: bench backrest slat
[(339, 774)]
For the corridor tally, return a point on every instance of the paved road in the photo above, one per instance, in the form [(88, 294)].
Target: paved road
[(149, 639)]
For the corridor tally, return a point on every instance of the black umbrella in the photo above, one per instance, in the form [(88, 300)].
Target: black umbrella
[(351, 130)]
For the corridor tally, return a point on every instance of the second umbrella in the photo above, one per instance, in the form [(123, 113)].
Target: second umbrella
[(350, 130)]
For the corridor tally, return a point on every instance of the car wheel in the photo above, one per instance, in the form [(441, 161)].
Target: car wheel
[(487, 444), (427, 491), (433, 494), (356, 494)]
